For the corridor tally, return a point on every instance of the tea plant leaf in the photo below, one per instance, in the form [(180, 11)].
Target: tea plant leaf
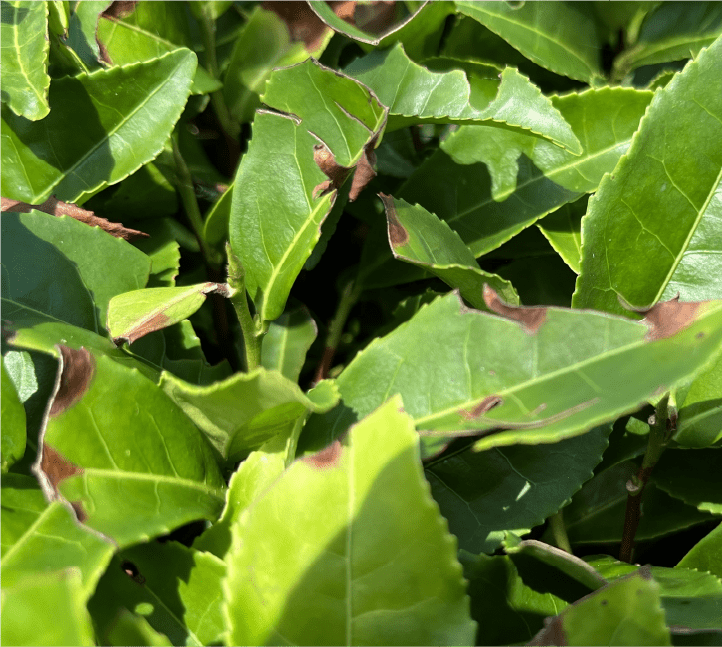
[(94, 134), (134, 314), (416, 95), (563, 230), (14, 434), (187, 610), (706, 555), (389, 561), (215, 227), (280, 197), (25, 46), (133, 629), (83, 30), (40, 537), (626, 612), (127, 457), (699, 422), (419, 237), (484, 494), (677, 472), (25, 610), (556, 36), (245, 410), (287, 342), (664, 198), (21, 371), (557, 373)]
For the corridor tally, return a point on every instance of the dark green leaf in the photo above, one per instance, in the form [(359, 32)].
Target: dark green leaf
[(700, 409), (706, 555), (677, 473), (13, 423)]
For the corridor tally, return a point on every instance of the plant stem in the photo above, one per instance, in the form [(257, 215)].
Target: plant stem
[(660, 432), (349, 296), (559, 530), (237, 283)]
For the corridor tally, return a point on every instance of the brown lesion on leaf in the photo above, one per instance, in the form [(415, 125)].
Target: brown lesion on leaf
[(120, 9), (77, 369), (302, 23), (480, 409), (328, 457), (56, 469), (335, 173), (669, 317), (55, 207), (531, 318), (364, 170), (398, 234), (157, 321)]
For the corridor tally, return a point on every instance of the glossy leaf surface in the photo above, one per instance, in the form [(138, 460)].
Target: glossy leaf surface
[(13, 421), (25, 46), (134, 480), (287, 341), (376, 568), (664, 198), (700, 410), (112, 133), (706, 555)]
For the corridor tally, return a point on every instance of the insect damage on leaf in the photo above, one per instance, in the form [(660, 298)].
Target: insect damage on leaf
[(531, 318)]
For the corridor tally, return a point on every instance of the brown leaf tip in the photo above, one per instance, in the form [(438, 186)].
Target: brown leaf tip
[(77, 368), (328, 457), (531, 318), (335, 173), (669, 317), (483, 407), (56, 467), (398, 234)]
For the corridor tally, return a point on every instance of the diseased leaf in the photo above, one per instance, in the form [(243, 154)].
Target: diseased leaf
[(281, 198), (626, 612), (677, 473), (245, 410), (41, 537), (706, 555), (378, 569), (419, 237), (414, 94), (531, 375), (664, 200), (132, 464), (95, 135), (484, 494), (134, 314), (25, 46), (555, 35), (14, 434), (287, 341)]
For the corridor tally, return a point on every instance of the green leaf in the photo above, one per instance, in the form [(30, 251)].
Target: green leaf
[(58, 17), (21, 371), (626, 612), (664, 200), (377, 569), (706, 554), (215, 227), (14, 434), (93, 252), (39, 537), (416, 95), (132, 629), (134, 314), (25, 46), (563, 230), (555, 35), (83, 29), (484, 494), (127, 457), (164, 253), (276, 212), (674, 31), (177, 590), (287, 341), (25, 609), (533, 375), (677, 473), (419, 237), (245, 410), (94, 134)]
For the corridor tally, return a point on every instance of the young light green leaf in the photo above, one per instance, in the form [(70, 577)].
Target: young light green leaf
[(131, 462), (419, 237), (242, 412), (38, 537), (14, 433), (282, 195), (706, 554), (95, 135), (25, 610), (134, 314), (287, 341), (625, 612), (389, 561), (416, 95), (664, 198), (556, 36), (21, 371), (25, 46)]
